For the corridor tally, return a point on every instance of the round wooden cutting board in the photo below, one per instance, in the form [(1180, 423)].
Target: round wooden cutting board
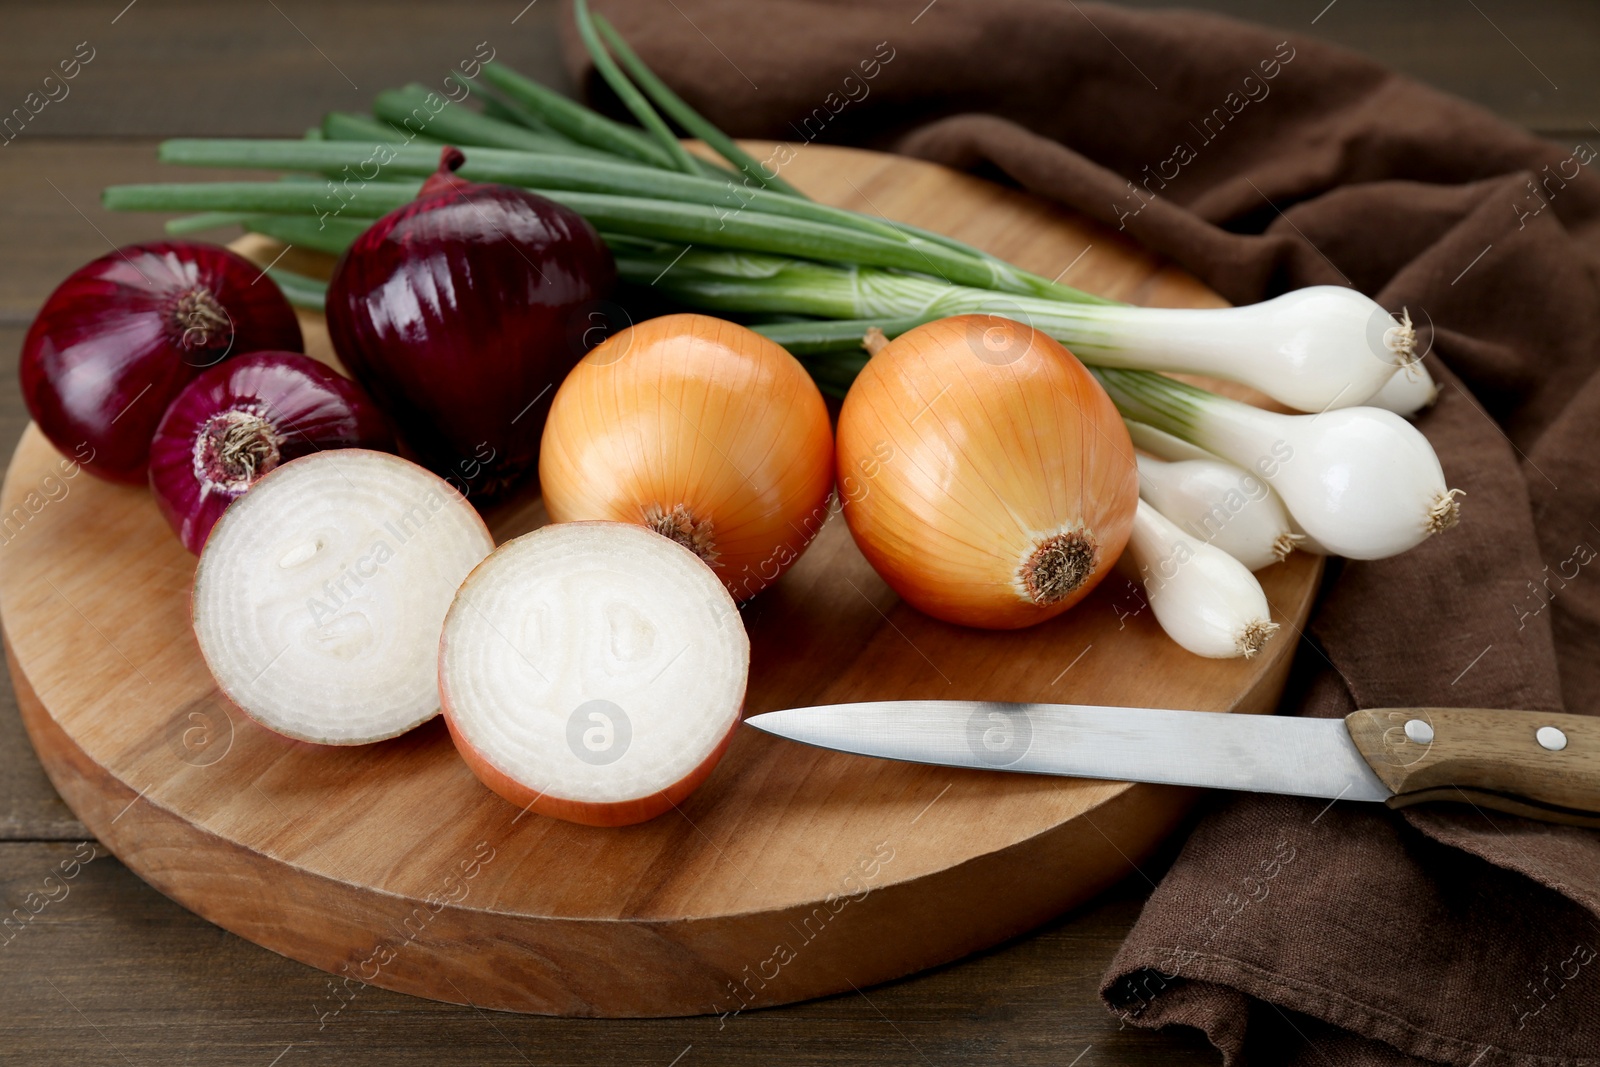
[(792, 873)]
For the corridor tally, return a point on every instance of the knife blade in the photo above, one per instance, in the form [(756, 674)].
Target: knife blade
[(1543, 765)]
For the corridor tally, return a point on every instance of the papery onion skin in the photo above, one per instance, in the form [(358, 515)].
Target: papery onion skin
[(267, 408), (703, 430), (976, 455), (121, 336), (460, 313)]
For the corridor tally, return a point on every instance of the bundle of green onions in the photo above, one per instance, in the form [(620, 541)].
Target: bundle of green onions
[(733, 237)]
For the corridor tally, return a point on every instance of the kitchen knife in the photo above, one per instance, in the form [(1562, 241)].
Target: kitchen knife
[(1538, 764)]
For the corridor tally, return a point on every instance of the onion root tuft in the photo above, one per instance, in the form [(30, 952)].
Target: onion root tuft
[(1445, 511), (1254, 635), (1401, 339), (1285, 544), (1058, 566), (679, 524)]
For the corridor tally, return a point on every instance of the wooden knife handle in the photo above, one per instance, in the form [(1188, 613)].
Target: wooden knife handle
[(1532, 763)]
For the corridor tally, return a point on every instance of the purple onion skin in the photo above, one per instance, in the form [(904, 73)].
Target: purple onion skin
[(241, 419), (123, 335), (461, 313)]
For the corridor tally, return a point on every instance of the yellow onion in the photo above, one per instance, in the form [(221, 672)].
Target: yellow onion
[(702, 430), (984, 472)]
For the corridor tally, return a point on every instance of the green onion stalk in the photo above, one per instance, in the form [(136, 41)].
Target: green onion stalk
[(733, 237)]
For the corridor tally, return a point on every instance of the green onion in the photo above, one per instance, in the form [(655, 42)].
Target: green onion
[(505, 111), (408, 109), (300, 290), (819, 337), (529, 170), (626, 91), (1312, 349), (370, 200), (662, 220), (767, 253), (342, 126), (544, 171), (572, 118), (686, 116), (1362, 482), (332, 237), (205, 220)]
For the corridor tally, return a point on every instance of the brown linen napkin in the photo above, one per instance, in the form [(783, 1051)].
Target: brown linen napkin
[(1291, 931)]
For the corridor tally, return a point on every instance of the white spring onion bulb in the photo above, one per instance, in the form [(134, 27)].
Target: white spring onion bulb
[(1206, 601), (1200, 499), (1164, 445), (1315, 348), (1363, 482), (1222, 505), (1407, 392), (1305, 542)]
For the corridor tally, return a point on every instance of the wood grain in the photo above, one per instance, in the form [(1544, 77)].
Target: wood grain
[(1485, 756), (792, 873), (117, 974), (121, 974)]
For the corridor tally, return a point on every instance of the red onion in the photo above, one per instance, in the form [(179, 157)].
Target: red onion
[(457, 313), (239, 420), (121, 336)]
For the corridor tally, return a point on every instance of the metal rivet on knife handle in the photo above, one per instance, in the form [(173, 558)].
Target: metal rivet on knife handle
[(1481, 756), (1418, 732), (1550, 738)]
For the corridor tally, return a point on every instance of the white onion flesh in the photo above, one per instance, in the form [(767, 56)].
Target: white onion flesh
[(1407, 392), (1205, 600), (320, 595), (1220, 504), (595, 663)]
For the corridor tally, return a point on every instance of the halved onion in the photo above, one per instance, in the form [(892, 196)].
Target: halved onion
[(593, 671), (321, 593)]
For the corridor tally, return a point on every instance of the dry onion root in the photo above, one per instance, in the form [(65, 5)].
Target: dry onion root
[(984, 473), (702, 430), (593, 671), (320, 595)]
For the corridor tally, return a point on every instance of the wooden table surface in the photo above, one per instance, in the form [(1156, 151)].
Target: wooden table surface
[(115, 973)]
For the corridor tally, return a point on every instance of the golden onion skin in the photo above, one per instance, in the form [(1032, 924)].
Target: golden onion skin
[(984, 472), (701, 429)]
